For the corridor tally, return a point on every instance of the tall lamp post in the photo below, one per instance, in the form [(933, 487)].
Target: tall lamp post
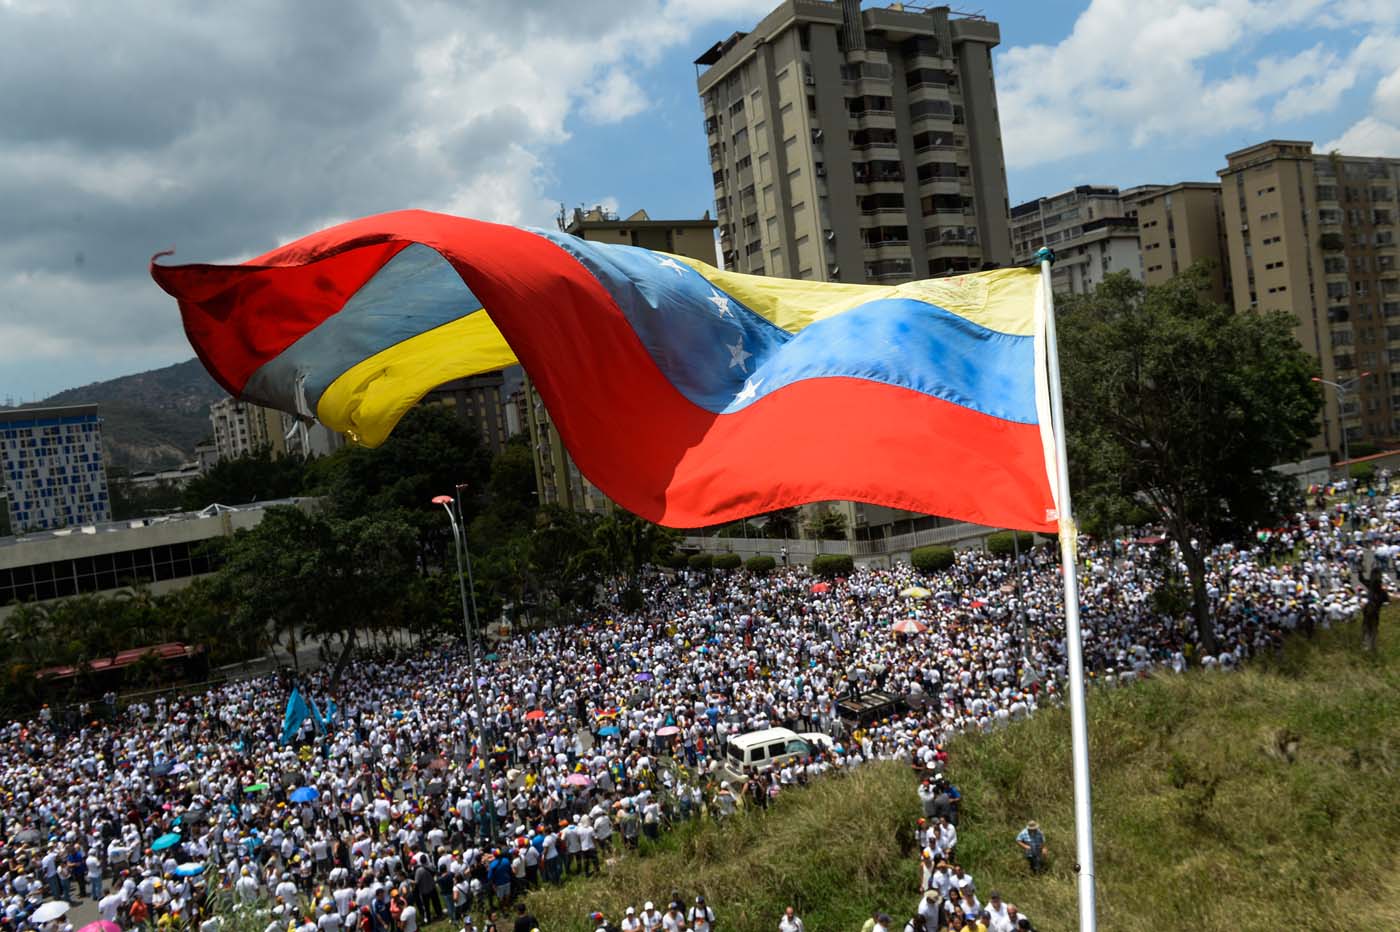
[(1342, 388), (488, 807)]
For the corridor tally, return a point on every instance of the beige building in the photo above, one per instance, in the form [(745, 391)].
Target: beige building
[(1315, 235), (1179, 225), (557, 480), (1092, 229), (857, 145)]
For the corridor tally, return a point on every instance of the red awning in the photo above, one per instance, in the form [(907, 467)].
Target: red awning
[(170, 651)]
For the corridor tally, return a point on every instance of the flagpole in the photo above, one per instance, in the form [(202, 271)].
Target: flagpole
[(1074, 646)]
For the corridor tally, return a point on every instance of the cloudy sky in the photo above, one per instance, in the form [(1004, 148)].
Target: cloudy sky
[(221, 130)]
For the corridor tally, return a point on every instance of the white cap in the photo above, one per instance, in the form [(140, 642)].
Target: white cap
[(648, 905)]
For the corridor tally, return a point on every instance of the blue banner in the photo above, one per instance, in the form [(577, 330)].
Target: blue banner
[(296, 714)]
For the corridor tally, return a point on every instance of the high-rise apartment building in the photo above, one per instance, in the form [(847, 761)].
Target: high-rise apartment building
[(1093, 230), (479, 400), (1316, 236), (241, 428), (1180, 225), (857, 145), (557, 478), (53, 465)]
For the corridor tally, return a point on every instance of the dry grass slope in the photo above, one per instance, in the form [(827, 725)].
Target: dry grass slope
[(1255, 800)]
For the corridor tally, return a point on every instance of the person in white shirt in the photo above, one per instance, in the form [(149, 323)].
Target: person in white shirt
[(651, 918), (701, 916), (408, 918), (630, 922), (790, 922), (1000, 921)]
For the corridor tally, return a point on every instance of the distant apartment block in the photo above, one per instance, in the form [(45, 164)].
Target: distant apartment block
[(854, 145), (53, 465), (480, 402), (241, 428), (1180, 225), (1315, 235), (1092, 229)]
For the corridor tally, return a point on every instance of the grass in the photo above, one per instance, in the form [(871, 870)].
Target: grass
[(1259, 799), (830, 850)]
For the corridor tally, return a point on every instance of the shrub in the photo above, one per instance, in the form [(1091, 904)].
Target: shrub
[(728, 561), (829, 565), (677, 560), (701, 561), (1000, 543), (760, 564), (932, 559), (1362, 473)]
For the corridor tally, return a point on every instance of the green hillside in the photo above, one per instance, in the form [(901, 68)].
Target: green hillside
[(1254, 800)]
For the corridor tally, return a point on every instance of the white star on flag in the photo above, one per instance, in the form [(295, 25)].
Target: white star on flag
[(669, 263), (721, 302), (738, 356), (750, 389)]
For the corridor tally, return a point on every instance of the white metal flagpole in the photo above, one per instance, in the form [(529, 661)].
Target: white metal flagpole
[(1074, 646)]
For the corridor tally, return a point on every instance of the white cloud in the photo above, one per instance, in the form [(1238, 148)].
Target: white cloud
[(615, 96), (1155, 72), (1378, 132), (224, 131)]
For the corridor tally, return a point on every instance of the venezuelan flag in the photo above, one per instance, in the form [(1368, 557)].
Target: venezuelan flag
[(689, 395)]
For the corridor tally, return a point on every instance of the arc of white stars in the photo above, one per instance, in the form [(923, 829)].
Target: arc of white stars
[(738, 356)]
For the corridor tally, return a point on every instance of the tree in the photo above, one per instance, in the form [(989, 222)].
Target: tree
[(1181, 403), (781, 524), (827, 525), (257, 477)]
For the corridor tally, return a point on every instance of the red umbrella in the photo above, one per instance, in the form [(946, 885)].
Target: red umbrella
[(909, 626), (821, 587), (979, 604), (534, 715)]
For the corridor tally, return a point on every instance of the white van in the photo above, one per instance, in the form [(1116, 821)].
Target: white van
[(771, 747)]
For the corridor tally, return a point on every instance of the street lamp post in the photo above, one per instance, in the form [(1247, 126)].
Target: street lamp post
[(488, 807), (1342, 389)]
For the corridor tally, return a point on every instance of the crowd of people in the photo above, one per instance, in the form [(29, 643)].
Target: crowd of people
[(413, 807)]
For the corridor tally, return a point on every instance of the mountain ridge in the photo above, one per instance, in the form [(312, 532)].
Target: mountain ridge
[(150, 420)]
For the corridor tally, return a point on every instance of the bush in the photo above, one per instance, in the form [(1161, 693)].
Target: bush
[(677, 560), (1000, 544), (728, 561), (829, 565), (932, 559), (1362, 473), (701, 561), (760, 564)]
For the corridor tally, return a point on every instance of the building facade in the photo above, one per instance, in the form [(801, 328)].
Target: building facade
[(1180, 225), (557, 478), (1093, 230), (241, 428), (1315, 236), (857, 145), (479, 400), (54, 469)]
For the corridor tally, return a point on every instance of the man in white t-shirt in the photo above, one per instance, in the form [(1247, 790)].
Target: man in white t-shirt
[(701, 916), (790, 922)]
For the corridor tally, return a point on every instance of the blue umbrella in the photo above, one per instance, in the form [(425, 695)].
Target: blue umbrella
[(189, 870), (643, 677), (168, 840), (304, 794), (607, 731)]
